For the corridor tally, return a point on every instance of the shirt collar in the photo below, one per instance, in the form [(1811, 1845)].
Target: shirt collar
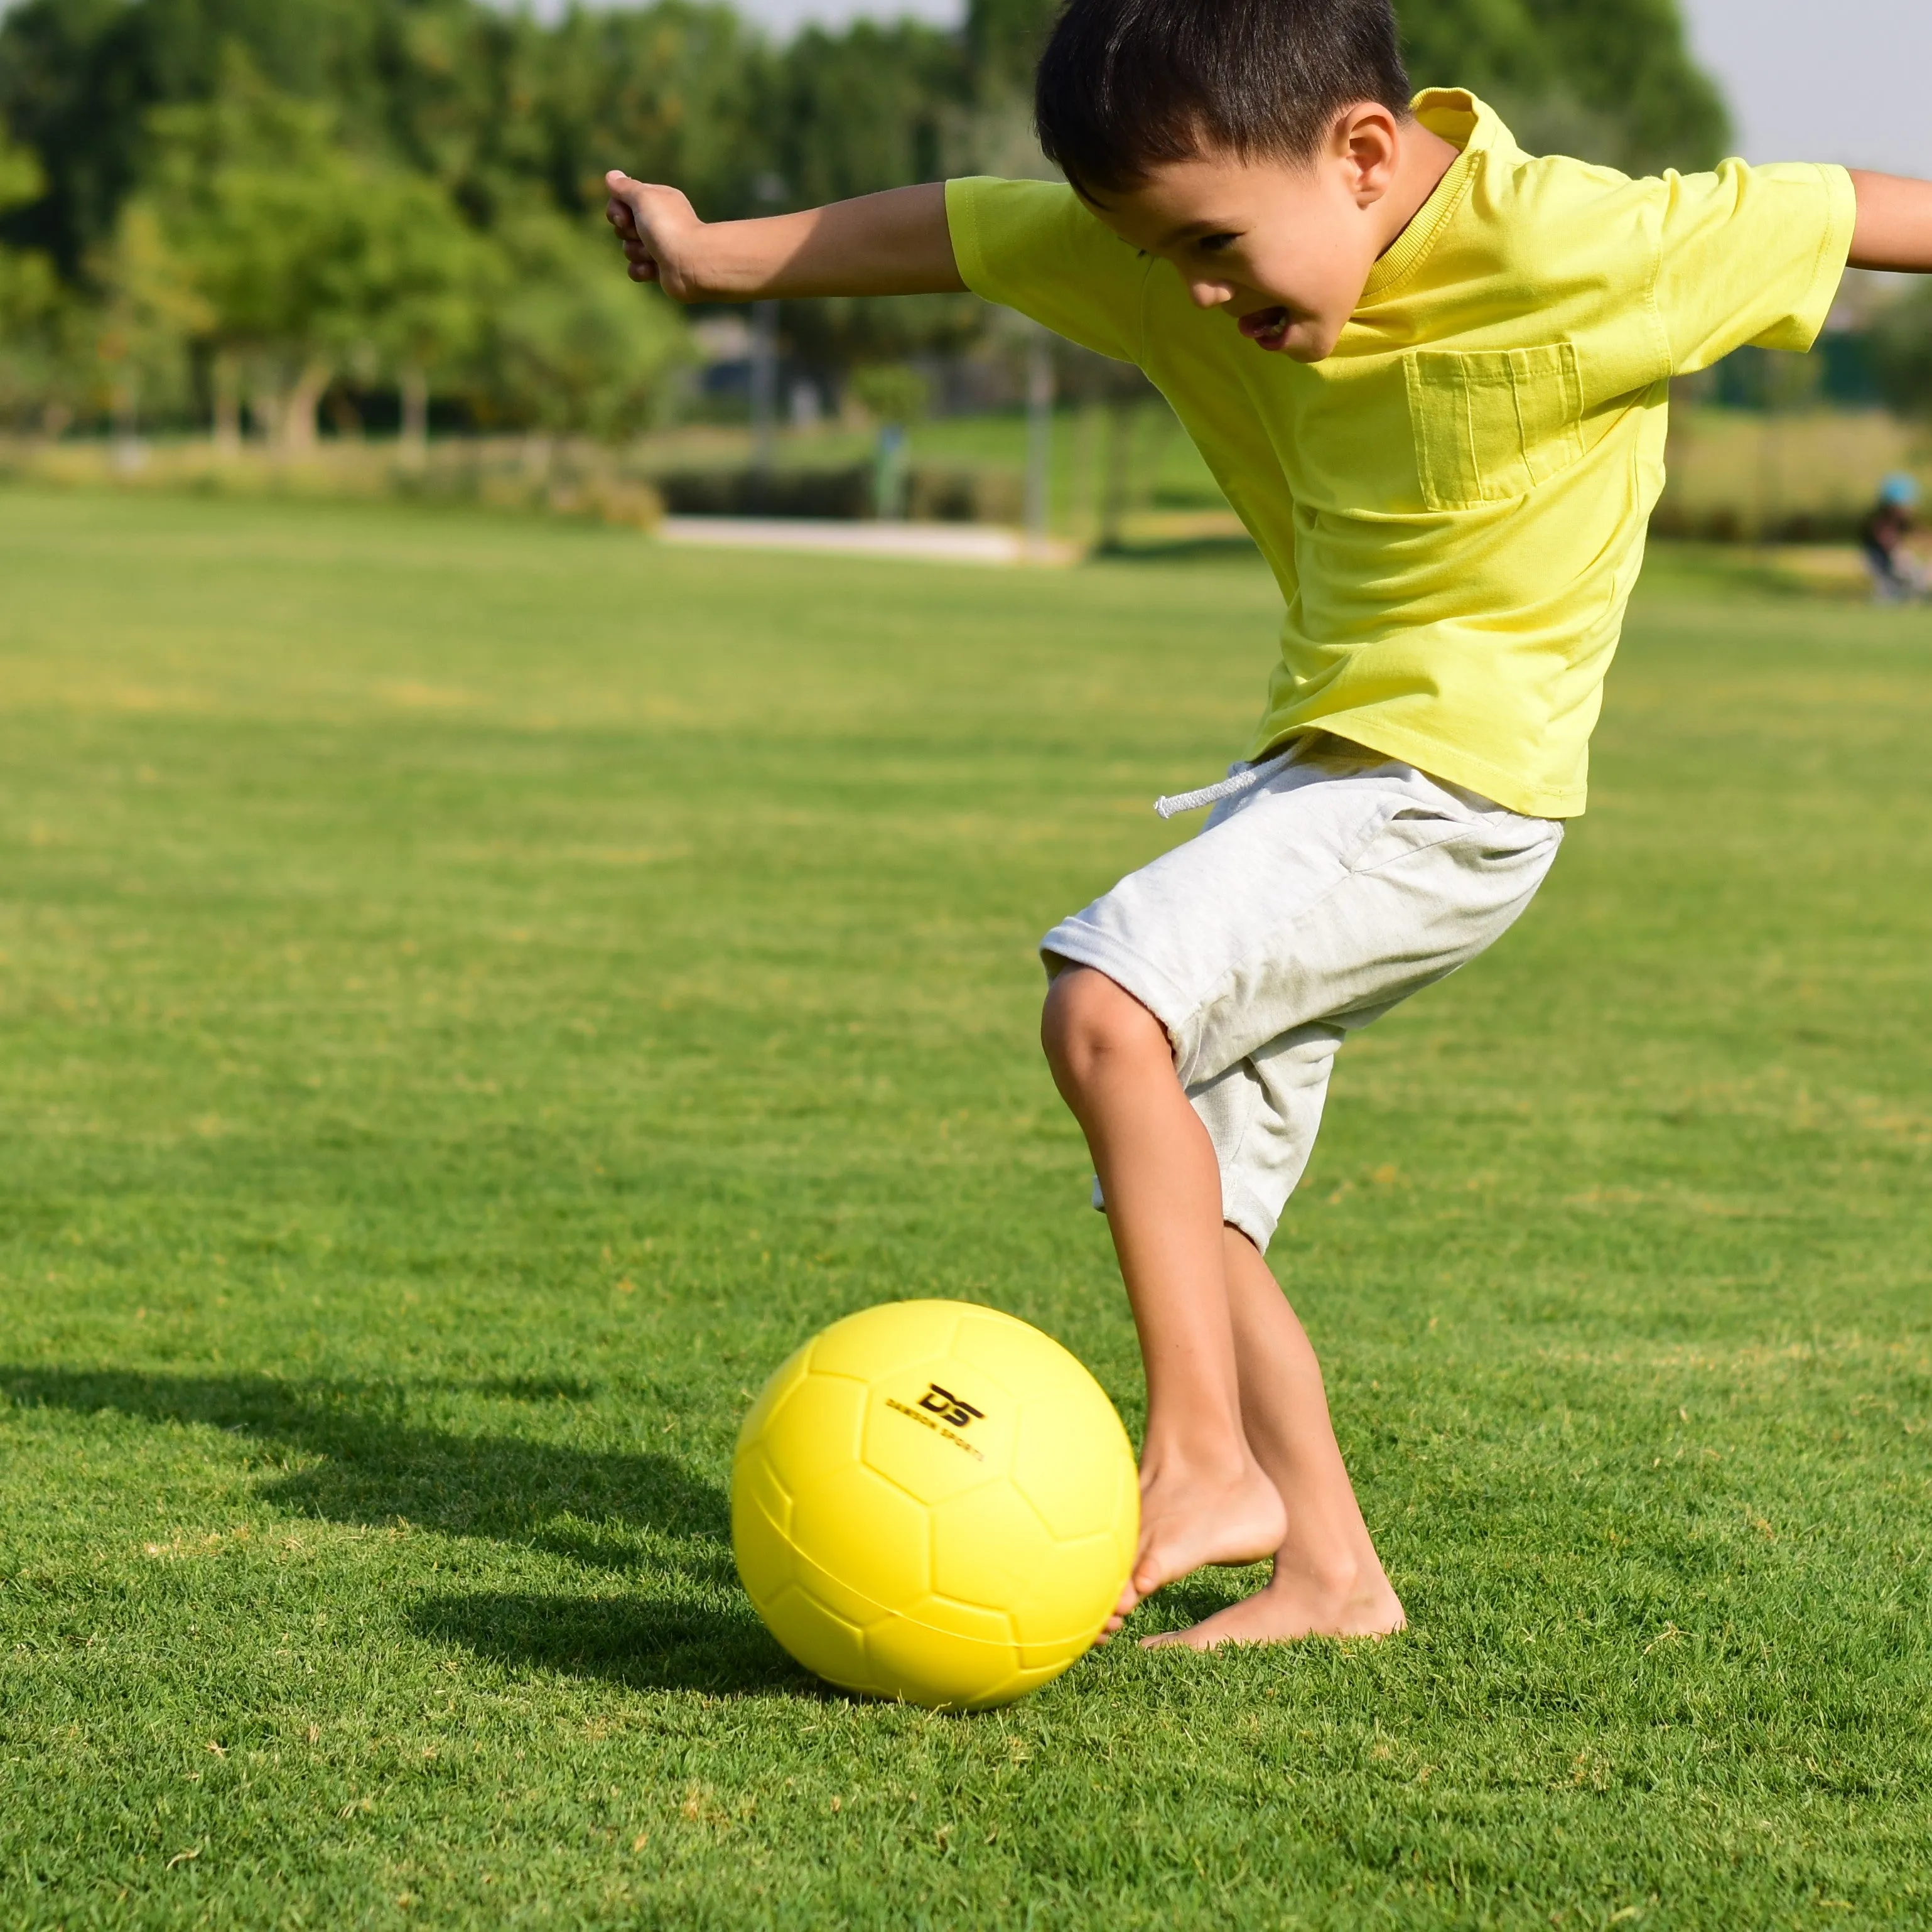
[(1461, 119)]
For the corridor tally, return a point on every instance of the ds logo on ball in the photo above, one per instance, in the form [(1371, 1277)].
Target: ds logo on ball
[(933, 1501), (943, 1402)]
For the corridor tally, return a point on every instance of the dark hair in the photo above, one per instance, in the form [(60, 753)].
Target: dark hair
[(1125, 85)]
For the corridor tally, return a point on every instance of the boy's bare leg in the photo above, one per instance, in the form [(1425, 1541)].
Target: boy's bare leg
[(1204, 1499), (1328, 1581)]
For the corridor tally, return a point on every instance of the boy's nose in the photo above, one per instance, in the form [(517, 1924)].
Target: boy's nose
[(1210, 294)]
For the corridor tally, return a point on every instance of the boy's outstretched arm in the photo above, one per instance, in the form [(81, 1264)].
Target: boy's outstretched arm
[(1895, 224), (893, 244)]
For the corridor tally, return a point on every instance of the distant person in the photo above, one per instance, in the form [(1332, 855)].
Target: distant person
[(1897, 576), (1431, 372)]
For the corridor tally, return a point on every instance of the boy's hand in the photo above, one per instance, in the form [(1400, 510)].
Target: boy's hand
[(658, 226)]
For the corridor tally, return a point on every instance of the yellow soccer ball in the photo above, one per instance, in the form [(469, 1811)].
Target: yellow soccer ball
[(933, 1501)]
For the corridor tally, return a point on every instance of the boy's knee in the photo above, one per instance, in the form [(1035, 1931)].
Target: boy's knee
[(1090, 1021)]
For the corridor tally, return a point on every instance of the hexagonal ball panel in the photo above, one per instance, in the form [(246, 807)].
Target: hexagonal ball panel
[(822, 1640), (987, 1546), (783, 1380), (938, 1427), (944, 1654), (859, 1542), (761, 1526), (876, 1341), (1072, 1592), (815, 1427), (1028, 1361), (1073, 1459)]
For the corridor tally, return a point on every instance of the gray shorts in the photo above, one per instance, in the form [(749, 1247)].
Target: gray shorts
[(1341, 883)]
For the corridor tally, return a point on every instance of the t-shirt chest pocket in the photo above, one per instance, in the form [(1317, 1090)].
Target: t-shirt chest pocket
[(1491, 423)]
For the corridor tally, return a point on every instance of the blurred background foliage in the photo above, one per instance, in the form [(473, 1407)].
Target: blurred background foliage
[(281, 216)]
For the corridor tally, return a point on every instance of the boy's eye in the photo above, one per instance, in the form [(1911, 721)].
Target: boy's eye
[(1212, 244)]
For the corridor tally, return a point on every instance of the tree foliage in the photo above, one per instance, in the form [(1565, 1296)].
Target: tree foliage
[(1901, 344), (401, 190), (31, 309), (1609, 80)]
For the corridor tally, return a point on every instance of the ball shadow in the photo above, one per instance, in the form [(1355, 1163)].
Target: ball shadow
[(364, 1461), (621, 1639)]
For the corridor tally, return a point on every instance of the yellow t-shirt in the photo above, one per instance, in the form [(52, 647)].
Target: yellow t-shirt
[(1453, 502)]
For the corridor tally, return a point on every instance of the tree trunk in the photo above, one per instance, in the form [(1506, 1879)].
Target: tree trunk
[(1040, 440), (1117, 485), (416, 417), (125, 403), (227, 382), (265, 407), (300, 405)]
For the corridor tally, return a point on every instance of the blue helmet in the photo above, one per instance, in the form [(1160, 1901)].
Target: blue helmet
[(1900, 490)]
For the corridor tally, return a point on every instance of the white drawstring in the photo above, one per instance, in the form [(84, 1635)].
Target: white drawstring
[(1240, 778)]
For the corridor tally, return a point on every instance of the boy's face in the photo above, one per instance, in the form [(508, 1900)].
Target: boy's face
[(1284, 249)]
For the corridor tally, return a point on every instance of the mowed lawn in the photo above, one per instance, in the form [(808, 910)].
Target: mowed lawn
[(475, 994)]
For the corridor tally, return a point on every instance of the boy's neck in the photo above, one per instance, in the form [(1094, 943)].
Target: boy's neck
[(1421, 161)]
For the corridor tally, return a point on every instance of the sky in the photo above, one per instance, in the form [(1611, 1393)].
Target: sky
[(1844, 81)]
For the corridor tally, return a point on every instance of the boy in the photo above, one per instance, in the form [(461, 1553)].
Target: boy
[(1431, 374), (1897, 575)]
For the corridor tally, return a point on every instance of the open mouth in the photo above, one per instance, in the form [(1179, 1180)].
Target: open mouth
[(1266, 327)]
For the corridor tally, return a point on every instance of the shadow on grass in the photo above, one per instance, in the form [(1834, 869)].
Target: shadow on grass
[(1196, 1598), (528, 1388), (642, 1646), (373, 1465), (1183, 549)]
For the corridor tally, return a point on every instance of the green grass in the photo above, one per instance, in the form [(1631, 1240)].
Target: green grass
[(475, 994)]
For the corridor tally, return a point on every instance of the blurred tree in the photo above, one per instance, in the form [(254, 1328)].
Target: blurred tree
[(1901, 352), (873, 108), (407, 127), (675, 92), (303, 255), (1004, 39), (1606, 80), (148, 313), (78, 77), (891, 392), (865, 109), (426, 281), (32, 307), (568, 346)]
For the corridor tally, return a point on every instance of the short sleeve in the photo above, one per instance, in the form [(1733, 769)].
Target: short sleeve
[(1032, 246), (1751, 255)]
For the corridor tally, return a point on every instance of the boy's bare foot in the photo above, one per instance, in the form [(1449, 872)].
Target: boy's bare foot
[(1294, 1606), (1189, 1519)]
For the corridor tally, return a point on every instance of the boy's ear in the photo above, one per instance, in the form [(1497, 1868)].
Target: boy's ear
[(1367, 138)]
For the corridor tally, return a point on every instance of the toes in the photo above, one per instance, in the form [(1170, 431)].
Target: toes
[(1181, 1640)]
